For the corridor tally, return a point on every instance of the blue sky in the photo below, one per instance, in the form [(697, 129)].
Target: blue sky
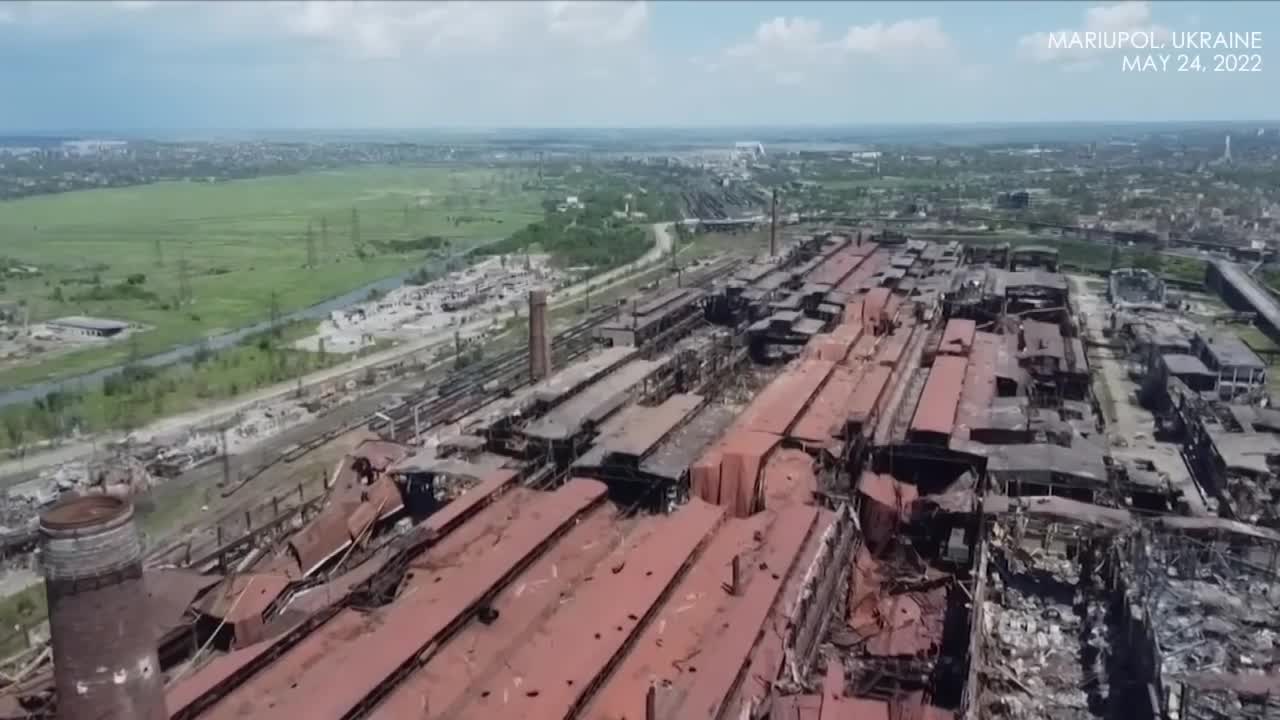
[(160, 65)]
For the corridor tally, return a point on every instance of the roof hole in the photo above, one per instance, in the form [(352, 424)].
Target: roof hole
[(632, 616), (531, 693), (597, 636), (693, 669), (484, 694)]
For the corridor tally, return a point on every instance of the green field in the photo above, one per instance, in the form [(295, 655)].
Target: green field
[(233, 244)]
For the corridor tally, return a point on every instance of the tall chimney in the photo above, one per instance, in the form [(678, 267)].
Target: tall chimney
[(104, 649), (773, 225), (539, 340)]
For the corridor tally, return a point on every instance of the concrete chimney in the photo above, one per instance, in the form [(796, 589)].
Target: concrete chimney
[(773, 225), (104, 650), (539, 338)]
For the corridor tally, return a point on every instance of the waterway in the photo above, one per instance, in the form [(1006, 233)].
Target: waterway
[(183, 353)]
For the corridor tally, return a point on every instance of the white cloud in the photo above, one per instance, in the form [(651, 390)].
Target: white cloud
[(904, 38), (1131, 16), (363, 29), (795, 51)]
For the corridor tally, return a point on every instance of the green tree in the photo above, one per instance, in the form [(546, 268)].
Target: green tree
[(1148, 261), (14, 429)]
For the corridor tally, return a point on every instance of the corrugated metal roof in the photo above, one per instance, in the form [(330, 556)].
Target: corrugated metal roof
[(826, 416), (788, 478), (866, 397), (958, 336), (779, 405), (887, 491), (1042, 339), (743, 456), (874, 305), (644, 427), (244, 597), (936, 412), (692, 618), (556, 669), (567, 420), (979, 384), (336, 683), (720, 663)]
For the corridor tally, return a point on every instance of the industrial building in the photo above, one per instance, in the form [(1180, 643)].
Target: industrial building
[(847, 479)]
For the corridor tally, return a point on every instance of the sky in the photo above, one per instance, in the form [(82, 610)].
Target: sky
[(135, 64)]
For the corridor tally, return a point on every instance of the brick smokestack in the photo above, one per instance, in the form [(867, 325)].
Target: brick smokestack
[(104, 650), (539, 339), (773, 225)]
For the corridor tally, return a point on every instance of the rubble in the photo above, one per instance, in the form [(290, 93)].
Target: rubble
[(490, 288)]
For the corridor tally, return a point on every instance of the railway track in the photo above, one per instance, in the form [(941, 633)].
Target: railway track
[(467, 391)]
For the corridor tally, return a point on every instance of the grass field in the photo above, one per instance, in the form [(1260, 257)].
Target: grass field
[(236, 243)]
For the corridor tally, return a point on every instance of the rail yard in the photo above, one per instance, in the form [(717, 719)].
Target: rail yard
[(857, 476)]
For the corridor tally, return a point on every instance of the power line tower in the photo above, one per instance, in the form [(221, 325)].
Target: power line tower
[(324, 235), (355, 232), (274, 325), (311, 247), (159, 254), (184, 281)]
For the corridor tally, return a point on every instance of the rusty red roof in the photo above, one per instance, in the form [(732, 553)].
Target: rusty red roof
[(825, 418), (767, 659), (555, 670), (473, 656), (381, 454), (448, 517), (872, 264), (743, 456), (331, 673), (789, 477), (704, 476), (979, 384), (351, 509), (875, 305), (957, 337), (721, 663), (893, 625), (888, 491), (865, 349), (891, 351), (243, 597), (836, 268), (867, 395), (778, 406), (834, 346), (692, 617), (936, 412)]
